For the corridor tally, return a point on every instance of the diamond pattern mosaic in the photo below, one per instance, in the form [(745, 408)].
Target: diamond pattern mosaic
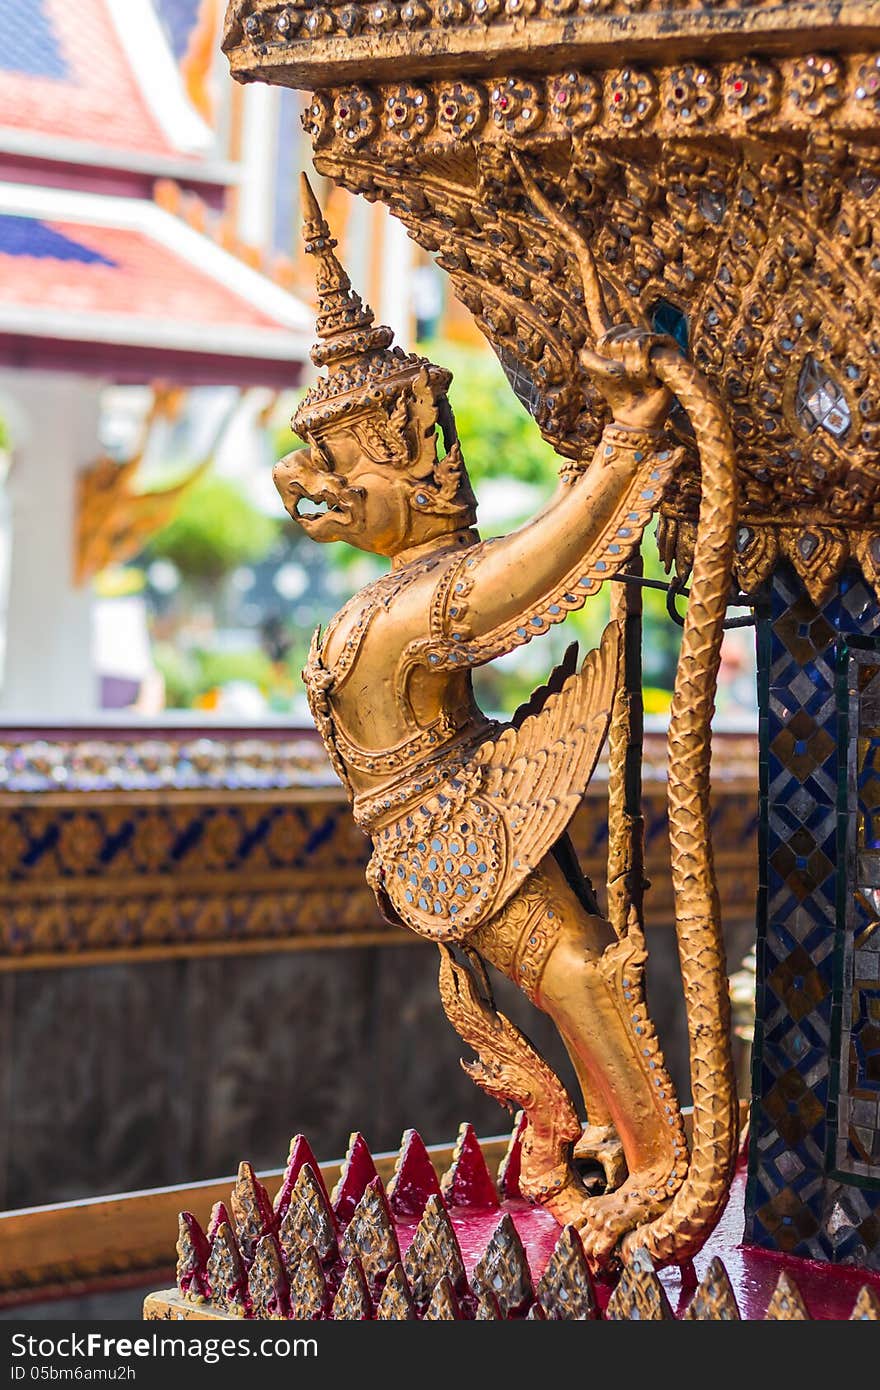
[(857, 1144), (814, 1179)]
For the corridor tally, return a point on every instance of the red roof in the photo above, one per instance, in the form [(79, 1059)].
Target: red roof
[(91, 106), (96, 273), (129, 275), (67, 80)]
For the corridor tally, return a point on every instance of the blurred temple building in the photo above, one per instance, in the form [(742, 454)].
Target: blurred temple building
[(153, 326), (118, 268)]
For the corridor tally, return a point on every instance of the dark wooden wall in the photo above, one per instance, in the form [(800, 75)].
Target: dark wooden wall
[(118, 1077)]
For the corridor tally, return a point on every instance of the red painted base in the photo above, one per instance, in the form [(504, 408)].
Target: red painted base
[(829, 1291), (258, 1266)]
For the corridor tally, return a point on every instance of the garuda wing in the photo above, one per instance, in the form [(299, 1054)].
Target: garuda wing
[(536, 773), (450, 866)]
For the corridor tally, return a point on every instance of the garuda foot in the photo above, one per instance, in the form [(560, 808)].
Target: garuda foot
[(604, 1221), (561, 1192), (600, 1145)]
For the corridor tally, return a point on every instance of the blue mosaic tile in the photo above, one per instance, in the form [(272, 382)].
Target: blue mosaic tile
[(856, 1146), (816, 1065), (27, 236)]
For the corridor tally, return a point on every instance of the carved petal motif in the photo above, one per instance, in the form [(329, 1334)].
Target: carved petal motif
[(639, 1295), (193, 1253), (443, 1305), (565, 1289), (309, 1295), (756, 552), (818, 553), (352, 1302), (396, 1303), (226, 1274), (308, 1221), (371, 1237), (267, 1282), (786, 1305), (504, 1270), (714, 1299), (251, 1210), (433, 1252)]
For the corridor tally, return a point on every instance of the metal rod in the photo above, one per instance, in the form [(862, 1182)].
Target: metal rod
[(673, 590), (642, 582)]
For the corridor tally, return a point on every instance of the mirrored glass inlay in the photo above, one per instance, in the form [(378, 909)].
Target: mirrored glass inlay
[(525, 388), (668, 318), (820, 402)]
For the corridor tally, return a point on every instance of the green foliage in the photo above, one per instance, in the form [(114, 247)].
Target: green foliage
[(190, 675), (219, 668), (662, 638), (216, 529), (180, 672), (283, 437)]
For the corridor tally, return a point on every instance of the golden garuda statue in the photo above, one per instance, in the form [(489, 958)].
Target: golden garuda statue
[(468, 817)]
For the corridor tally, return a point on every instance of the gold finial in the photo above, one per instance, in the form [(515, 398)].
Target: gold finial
[(345, 325)]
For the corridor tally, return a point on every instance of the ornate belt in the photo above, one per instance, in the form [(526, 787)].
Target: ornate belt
[(375, 809)]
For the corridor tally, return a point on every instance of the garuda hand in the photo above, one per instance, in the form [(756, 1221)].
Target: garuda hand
[(621, 369)]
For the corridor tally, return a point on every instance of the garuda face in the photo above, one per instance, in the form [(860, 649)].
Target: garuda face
[(373, 476)]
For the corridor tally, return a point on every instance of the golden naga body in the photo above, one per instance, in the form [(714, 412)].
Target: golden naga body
[(468, 817)]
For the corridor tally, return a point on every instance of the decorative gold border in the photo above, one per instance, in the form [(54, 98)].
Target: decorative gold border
[(88, 878), (143, 760), (274, 41)]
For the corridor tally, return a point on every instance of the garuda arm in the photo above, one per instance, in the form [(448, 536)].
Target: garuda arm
[(504, 592)]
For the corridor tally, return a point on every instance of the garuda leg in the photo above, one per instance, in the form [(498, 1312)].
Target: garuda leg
[(572, 966)]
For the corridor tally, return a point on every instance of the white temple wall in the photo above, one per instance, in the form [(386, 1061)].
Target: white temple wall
[(48, 670), (257, 193)]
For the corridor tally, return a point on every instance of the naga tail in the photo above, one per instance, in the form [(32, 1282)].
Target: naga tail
[(688, 1220)]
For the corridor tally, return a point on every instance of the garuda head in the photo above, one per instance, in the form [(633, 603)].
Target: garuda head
[(372, 474)]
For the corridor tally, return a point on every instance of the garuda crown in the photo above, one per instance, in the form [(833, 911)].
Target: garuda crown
[(365, 373)]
